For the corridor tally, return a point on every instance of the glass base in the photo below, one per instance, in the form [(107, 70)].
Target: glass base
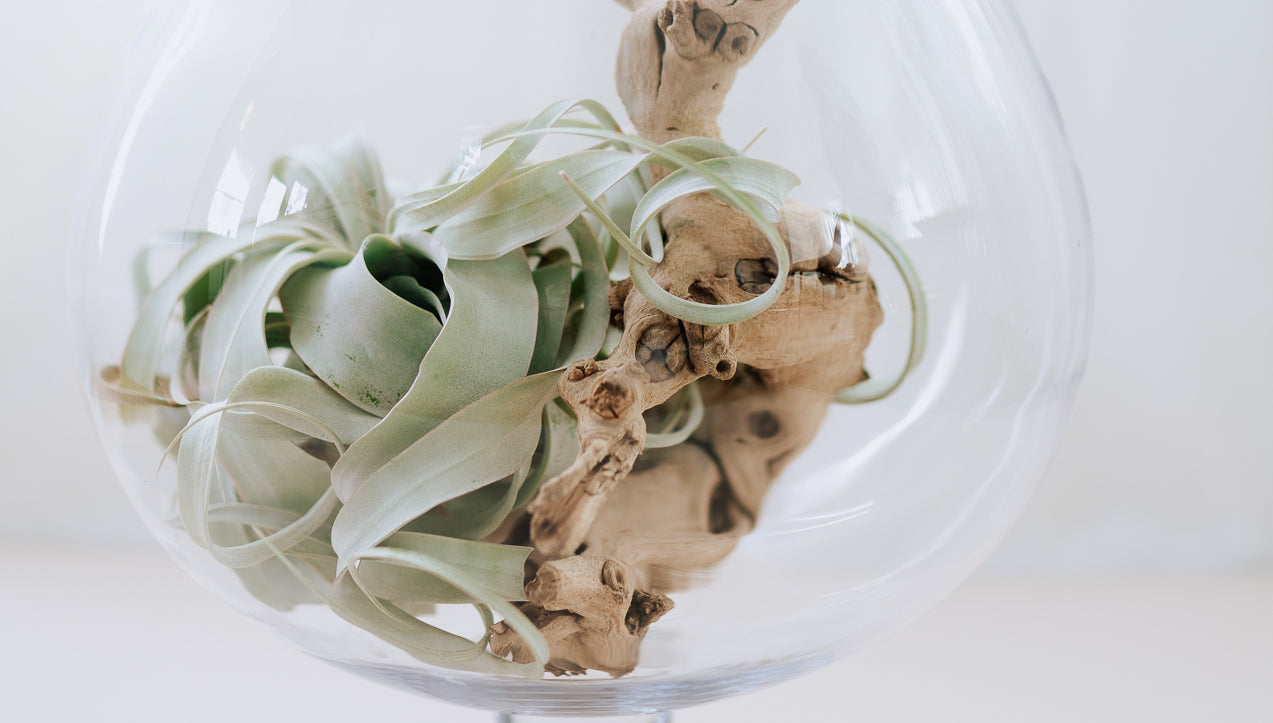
[(647, 718), (634, 699)]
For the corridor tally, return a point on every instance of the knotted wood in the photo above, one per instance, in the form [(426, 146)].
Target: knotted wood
[(768, 381)]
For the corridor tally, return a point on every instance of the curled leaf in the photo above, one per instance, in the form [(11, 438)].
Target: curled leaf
[(481, 443), (486, 343), (359, 337)]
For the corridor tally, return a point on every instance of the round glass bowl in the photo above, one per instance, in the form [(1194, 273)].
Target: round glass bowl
[(930, 120)]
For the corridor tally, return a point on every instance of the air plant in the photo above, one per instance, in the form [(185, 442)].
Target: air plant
[(381, 395)]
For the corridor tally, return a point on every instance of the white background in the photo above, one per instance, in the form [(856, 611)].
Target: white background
[(1166, 468), (1165, 465)]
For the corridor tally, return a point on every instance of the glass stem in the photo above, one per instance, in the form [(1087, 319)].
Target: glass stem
[(530, 718)]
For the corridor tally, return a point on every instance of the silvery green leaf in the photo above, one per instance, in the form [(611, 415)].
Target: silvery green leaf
[(588, 316), (469, 585), (533, 204), (877, 389), (479, 444), (423, 213), (140, 361), (261, 516), (552, 282), (639, 263), (417, 638), (265, 548), (700, 313), (289, 399), (765, 182), (271, 582), (413, 212), (686, 418), (558, 447), (262, 472), (486, 343), (233, 341), (197, 473), (695, 148), (474, 515), (272, 472), (297, 228), (347, 188), (357, 336), (500, 568)]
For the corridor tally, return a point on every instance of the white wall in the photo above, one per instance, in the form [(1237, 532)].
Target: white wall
[(1170, 110), (57, 60), (1167, 462)]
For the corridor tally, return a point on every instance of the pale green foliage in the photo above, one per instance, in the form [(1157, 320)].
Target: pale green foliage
[(372, 385), (874, 390)]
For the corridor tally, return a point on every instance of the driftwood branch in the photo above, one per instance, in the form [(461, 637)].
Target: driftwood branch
[(678, 60), (618, 529), (590, 613)]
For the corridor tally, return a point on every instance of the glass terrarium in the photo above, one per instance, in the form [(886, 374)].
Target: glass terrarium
[(471, 358)]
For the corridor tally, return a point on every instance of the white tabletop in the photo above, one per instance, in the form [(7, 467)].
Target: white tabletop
[(123, 635)]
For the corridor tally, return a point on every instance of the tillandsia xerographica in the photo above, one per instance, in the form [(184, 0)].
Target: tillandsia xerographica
[(549, 388)]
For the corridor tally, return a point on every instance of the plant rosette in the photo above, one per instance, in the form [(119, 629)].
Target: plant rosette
[(370, 385)]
